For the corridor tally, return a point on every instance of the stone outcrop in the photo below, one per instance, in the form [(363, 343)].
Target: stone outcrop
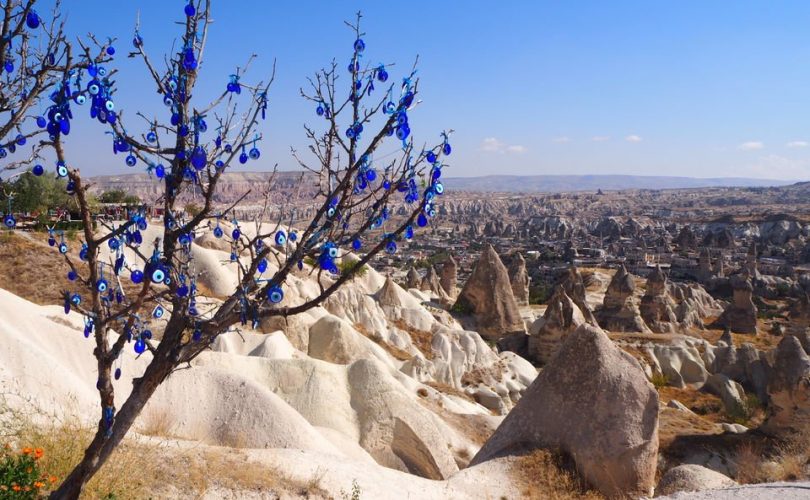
[(487, 295), (561, 318), (448, 277), (619, 312), (574, 286), (430, 282), (519, 279), (594, 403), (691, 477), (657, 307), (788, 389), (741, 314)]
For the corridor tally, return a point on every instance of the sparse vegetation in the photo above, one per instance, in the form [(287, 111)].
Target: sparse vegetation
[(659, 380), (347, 265), (546, 475)]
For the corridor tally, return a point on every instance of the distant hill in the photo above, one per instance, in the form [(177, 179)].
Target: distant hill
[(566, 183)]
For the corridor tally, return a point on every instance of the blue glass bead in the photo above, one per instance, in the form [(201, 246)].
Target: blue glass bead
[(9, 221), (160, 171), (199, 158), (359, 45), (430, 157), (151, 137), (446, 149), (409, 232), (382, 75), (51, 241), (391, 247), (386, 185), (357, 244), (80, 99), (275, 294), (131, 160), (421, 221), (32, 19), (117, 373), (158, 276), (182, 291), (101, 285), (137, 41), (243, 158), (41, 122), (281, 238), (236, 233), (110, 50), (75, 299), (218, 232), (254, 153), (146, 334), (61, 171), (140, 346), (136, 276), (438, 187), (189, 9), (371, 175), (333, 252), (319, 110), (157, 312), (219, 164), (197, 335), (262, 266), (63, 248), (9, 66), (38, 170)]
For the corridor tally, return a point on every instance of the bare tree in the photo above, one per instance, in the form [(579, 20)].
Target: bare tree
[(366, 203)]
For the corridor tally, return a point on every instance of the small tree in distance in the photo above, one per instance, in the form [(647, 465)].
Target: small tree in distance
[(188, 150)]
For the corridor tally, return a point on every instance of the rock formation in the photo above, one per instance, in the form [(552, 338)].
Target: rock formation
[(741, 314), (788, 389), (619, 312), (691, 477), (561, 318), (487, 295), (449, 276), (431, 281), (413, 278), (657, 307), (594, 403), (519, 279), (574, 286)]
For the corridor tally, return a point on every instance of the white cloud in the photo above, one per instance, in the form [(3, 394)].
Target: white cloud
[(797, 144), (493, 145), (600, 138), (561, 140), (633, 138), (751, 146)]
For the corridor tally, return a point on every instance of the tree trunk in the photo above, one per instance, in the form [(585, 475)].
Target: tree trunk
[(104, 443)]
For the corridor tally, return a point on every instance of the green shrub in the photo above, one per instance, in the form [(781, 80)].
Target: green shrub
[(659, 380), (347, 265)]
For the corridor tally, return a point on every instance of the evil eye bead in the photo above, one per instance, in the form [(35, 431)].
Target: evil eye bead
[(182, 291), (371, 175), (151, 137), (382, 75), (140, 346), (75, 299), (357, 244), (113, 243), (32, 19), (333, 252), (254, 153), (136, 276), (168, 101), (293, 236), (93, 88), (189, 9), (41, 122), (409, 232), (158, 276), (217, 232), (9, 221), (199, 158), (243, 158), (421, 221), (236, 233), (70, 187), (430, 157), (80, 99), (137, 41), (446, 149), (71, 275), (109, 105), (110, 50), (101, 285), (281, 238), (262, 266), (275, 295), (131, 160), (359, 45), (51, 241), (391, 247), (438, 187), (160, 171), (319, 110), (61, 171), (157, 312), (38, 170), (117, 373), (63, 248), (330, 212)]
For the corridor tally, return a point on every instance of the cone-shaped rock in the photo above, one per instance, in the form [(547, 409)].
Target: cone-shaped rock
[(574, 287), (561, 318), (449, 276), (657, 307), (519, 279), (430, 283), (488, 296), (741, 314), (413, 278), (619, 313), (788, 389), (594, 403)]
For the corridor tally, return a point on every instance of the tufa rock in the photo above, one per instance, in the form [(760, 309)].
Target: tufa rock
[(449, 276), (594, 403), (691, 477), (788, 389), (741, 314), (488, 296), (656, 304), (619, 313), (562, 317), (413, 278), (519, 279)]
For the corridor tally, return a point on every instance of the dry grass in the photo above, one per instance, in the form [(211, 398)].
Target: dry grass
[(157, 422), (547, 475), (44, 271), (708, 406), (421, 340), (394, 351), (787, 460), (449, 389)]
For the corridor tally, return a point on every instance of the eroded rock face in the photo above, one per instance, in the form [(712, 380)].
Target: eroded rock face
[(519, 279), (488, 296), (619, 312), (574, 287), (788, 389), (593, 402), (413, 279), (741, 314), (657, 306), (562, 317)]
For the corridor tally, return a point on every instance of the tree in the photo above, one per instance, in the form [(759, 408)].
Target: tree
[(354, 211), (29, 193), (118, 196)]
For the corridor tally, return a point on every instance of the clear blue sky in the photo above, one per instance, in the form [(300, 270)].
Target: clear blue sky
[(695, 88)]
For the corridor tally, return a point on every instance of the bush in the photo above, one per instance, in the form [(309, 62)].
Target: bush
[(347, 265), (21, 475), (659, 380)]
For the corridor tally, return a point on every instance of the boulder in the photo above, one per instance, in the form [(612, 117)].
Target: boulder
[(334, 340), (731, 392), (593, 402), (488, 296), (619, 312), (519, 279), (691, 477), (681, 364), (788, 389)]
